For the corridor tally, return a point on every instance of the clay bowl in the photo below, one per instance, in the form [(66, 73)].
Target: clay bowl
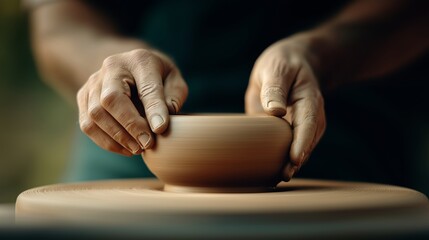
[(220, 153)]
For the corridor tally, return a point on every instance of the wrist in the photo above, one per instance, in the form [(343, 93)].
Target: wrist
[(314, 47), (323, 49)]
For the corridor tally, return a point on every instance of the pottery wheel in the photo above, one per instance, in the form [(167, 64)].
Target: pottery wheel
[(143, 199)]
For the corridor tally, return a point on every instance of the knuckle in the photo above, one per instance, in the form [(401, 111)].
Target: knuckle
[(278, 64), (140, 53), (295, 61), (120, 136), (93, 77), (311, 122), (145, 59), (310, 115), (80, 95), (141, 56), (132, 126), (310, 118), (96, 113), (110, 62), (151, 106), (311, 110), (149, 90), (87, 126), (108, 98)]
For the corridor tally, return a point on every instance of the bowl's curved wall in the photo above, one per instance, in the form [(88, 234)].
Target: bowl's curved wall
[(220, 151)]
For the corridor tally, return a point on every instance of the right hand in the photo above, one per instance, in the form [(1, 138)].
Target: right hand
[(130, 98), (283, 84)]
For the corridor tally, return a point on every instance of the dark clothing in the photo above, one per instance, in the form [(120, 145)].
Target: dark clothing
[(215, 43), (374, 132)]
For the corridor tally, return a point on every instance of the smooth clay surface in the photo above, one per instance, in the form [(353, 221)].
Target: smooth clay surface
[(220, 153), (143, 200)]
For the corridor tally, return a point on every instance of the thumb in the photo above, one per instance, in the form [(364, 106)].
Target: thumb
[(274, 94), (273, 100)]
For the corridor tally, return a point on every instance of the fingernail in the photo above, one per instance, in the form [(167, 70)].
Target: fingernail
[(274, 104), (277, 108), (144, 140), (133, 147), (156, 121), (290, 171), (175, 106)]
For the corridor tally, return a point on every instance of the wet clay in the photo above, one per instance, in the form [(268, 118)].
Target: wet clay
[(220, 153)]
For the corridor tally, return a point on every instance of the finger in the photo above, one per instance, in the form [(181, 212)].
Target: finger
[(307, 122), (93, 131), (321, 127), (107, 123), (102, 139), (115, 98), (275, 86), (149, 81), (304, 124), (175, 91), (253, 100)]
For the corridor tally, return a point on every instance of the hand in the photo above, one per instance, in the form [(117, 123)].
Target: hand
[(128, 99), (283, 84)]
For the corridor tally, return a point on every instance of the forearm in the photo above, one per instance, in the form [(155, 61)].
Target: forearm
[(369, 39), (70, 42)]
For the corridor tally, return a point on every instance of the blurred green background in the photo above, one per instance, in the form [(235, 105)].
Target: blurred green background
[(36, 124)]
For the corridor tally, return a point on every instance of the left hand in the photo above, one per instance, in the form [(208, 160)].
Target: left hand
[(283, 84)]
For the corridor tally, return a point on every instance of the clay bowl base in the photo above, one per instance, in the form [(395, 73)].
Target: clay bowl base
[(182, 189)]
